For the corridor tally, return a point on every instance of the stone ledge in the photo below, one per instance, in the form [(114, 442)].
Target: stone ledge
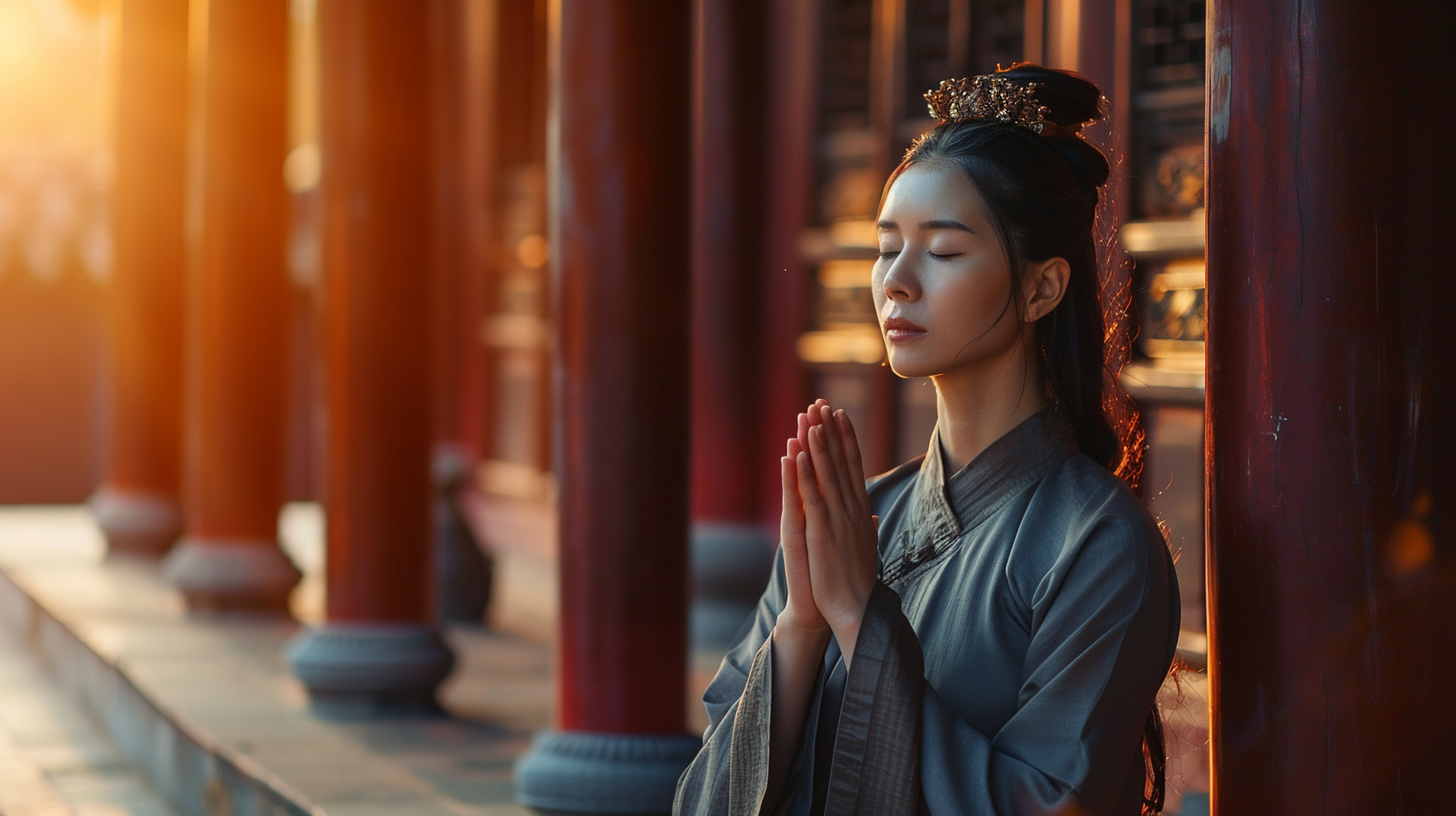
[(207, 708), (192, 771)]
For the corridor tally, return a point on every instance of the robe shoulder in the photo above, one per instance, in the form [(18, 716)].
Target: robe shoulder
[(1082, 517)]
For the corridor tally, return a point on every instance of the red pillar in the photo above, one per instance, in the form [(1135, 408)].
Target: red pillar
[(732, 552), (1331, 407), (378, 646), (138, 504), (789, 204), (237, 326), (620, 167), (1093, 37)]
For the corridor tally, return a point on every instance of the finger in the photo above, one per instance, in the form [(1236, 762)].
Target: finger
[(808, 488), (852, 456), (793, 513), (806, 421), (825, 471), (791, 536), (842, 476), (814, 519), (795, 447)]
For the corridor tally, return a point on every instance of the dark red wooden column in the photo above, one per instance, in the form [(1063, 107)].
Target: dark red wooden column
[(379, 646), (732, 552), (138, 506), (619, 173), (1331, 406), (237, 304)]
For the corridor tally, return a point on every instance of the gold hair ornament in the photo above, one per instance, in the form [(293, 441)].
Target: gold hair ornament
[(993, 98)]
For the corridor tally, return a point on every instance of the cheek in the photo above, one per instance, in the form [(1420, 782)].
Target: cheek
[(974, 296)]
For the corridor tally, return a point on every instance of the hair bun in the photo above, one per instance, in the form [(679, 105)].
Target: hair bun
[(1087, 161), (1071, 99)]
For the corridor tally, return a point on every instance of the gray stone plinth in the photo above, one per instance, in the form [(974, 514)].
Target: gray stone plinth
[(137, 522), (231, 574), (585, 772), (364, 668)]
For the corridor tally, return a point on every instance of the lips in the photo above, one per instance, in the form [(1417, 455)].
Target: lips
[(900, 330)]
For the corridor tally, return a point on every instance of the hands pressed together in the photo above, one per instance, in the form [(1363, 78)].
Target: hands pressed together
[(827, 533)]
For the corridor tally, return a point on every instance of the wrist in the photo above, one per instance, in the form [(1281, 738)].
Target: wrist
[(846, 625), (804, 627), (847, 614)]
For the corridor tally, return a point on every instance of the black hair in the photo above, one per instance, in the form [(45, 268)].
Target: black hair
[(1043, 192)]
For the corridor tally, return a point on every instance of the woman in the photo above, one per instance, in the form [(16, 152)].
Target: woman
[(981, 630)]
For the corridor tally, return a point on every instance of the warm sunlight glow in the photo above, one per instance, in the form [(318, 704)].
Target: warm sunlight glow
[(54, 166)]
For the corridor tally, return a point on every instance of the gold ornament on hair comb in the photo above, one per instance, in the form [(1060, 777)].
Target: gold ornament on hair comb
[(993, 98)]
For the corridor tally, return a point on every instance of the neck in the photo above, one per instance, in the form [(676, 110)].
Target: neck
[(976, 405)]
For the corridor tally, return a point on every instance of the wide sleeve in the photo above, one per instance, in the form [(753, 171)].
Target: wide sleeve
[(730, 773), (876, 763), (1100, 646)]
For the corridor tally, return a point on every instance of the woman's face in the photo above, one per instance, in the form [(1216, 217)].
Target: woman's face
[(942, 283)]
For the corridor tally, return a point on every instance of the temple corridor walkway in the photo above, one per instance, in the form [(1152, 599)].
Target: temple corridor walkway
[(205, 709), (208, 709), (54, 761)]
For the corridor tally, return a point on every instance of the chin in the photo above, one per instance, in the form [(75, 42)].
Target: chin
[(909, 368)]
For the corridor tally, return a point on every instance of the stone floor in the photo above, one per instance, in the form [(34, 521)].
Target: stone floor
[(113, 700), (207, 707), (54, 760)]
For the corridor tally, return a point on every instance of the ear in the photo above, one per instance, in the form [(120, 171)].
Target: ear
[(1043, 286)]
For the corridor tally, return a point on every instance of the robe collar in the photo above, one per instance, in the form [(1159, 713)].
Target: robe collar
[(945, 508)]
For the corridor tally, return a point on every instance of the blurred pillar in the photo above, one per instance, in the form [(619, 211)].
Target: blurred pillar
[(465, 45), (731, 550), (1093, 38), (238, 317), (1331, 407), (138, 505), (788, 207), (620, 168), (378, 646)]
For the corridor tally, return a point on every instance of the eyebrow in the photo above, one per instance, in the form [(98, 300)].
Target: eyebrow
[(929, 225)]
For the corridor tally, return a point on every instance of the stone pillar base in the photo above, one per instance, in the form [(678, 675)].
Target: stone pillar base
[(137, 522), (221, 575), (370, 667), (583, 772)]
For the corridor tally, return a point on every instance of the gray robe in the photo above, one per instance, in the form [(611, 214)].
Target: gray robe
[(1024, 619)]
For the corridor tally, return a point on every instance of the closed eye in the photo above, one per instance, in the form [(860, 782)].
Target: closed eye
[(939, 257), (889, 253)]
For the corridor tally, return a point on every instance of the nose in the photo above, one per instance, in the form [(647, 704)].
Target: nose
[(900, 283)]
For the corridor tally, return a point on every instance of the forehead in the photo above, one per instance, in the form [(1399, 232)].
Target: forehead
[(934, 191)]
